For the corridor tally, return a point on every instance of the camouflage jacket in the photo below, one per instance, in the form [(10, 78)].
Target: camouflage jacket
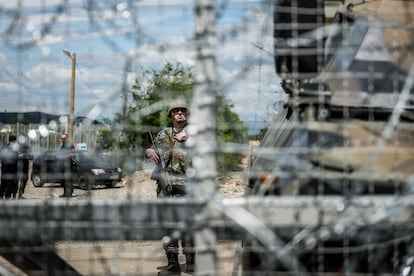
[(174, 153)]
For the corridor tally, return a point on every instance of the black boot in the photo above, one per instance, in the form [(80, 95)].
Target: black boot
[(189, 260), (173, 264)]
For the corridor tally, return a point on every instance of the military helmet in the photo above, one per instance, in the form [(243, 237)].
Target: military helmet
[(178, 104)]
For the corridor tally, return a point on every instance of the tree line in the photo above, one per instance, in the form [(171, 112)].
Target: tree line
[(147, 112)]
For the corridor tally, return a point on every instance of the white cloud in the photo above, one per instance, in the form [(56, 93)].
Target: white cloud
[(166, 2), (14, 4), (100, 66), (8, 87)]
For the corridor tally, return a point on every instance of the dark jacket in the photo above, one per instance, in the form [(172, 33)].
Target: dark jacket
[(9, 161)]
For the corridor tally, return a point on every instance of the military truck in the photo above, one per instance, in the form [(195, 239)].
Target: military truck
[(344, 133)]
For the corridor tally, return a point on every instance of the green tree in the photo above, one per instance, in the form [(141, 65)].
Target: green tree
[(171, 82), (154, 86), (230, 129)]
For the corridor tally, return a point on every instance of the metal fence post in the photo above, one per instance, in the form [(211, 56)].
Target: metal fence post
[(204, 144)]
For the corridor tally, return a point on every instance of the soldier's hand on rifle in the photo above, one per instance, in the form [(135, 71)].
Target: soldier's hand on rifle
[(151, 154)]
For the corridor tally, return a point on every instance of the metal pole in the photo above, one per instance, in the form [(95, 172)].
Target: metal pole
[(72, 97), (205, 122)]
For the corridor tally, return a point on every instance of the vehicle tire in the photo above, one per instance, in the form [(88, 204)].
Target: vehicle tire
[(111, 184), (37, 181), (85, 183)]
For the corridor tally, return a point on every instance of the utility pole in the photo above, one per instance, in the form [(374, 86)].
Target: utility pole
[(72, 56)]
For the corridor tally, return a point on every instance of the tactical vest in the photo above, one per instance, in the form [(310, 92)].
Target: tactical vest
[(174, 152)]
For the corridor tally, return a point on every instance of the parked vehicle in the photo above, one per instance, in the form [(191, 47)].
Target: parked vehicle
[(345, 132), (88, 170)]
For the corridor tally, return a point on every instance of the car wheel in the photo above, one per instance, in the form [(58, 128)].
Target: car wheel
[(112, 184), (37, 180), (86, 183)]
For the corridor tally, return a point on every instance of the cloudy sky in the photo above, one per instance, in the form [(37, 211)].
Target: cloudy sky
[(115, 41)]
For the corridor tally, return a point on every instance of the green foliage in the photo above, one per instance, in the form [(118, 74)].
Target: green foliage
[(230, 129), (171, 82)]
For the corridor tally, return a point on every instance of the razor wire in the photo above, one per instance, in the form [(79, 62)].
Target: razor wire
[(305, 239)]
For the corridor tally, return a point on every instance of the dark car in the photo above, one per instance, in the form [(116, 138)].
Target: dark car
[(88, 169)]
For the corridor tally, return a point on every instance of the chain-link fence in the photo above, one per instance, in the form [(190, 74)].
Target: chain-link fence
[(326, 190)]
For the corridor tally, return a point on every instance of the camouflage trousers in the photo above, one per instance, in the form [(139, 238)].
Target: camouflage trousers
[(178, 184), (171, 244)]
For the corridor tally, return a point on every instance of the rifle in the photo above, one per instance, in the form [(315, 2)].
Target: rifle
[(160, 172)]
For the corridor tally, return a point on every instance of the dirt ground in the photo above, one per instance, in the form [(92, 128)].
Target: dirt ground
[(131, 257)]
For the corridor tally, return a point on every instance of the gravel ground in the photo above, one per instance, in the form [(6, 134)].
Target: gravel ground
[(137, 185), (129, 257)]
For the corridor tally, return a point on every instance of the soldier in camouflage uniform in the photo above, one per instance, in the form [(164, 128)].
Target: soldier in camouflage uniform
[(172, 140)]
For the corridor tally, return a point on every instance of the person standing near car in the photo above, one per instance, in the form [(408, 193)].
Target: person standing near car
[(9, 157), (25, 155), (171, 142), (66, 154)]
